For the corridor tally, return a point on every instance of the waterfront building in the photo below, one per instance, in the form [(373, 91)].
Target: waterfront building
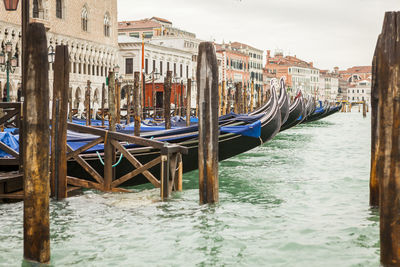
[(158, 59), (234, 65), (357, 73), (300, 75), (360, 91), (88, 28), (329, 86)]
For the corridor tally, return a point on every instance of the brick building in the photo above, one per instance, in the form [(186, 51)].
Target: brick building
[(357, 73), (300, 75), (89, 28)]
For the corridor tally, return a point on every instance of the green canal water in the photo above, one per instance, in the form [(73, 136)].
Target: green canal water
[(299, 200)]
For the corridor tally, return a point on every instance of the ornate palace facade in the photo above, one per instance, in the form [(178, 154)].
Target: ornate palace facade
[(89, 28)]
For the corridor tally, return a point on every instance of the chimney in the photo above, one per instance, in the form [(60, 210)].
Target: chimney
[(311, 64)]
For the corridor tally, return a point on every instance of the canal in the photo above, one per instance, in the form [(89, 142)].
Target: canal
[(299, 200)]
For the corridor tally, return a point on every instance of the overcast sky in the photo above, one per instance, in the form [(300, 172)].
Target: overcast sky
[(328, 32)]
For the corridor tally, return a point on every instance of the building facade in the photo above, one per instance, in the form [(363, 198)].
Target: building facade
[(360, 91), (88, 28), (300, 75), (329, 86), (357, 73), (158, 59)]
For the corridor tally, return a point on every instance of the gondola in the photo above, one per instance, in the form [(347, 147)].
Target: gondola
[(295, 111), (230, 145)]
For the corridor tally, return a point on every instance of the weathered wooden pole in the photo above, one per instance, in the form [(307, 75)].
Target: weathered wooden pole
[(386, 87), (359, 108), (36, 157), (109, 151), (220, 99), (167, 100), (128, 104), (188, 101), (259, 92), (118, 93), (136, 107), (70, 104), (103, 103), (59, 123), (238, 98), (181, 111), (245, 106), (252, 96), (207, 90), (364, 110), (224, 98), (87, 104), (373, 181)]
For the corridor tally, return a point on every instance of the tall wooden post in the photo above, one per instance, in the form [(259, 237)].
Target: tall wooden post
[(220, 99), (245, 106), (207, 90), (128, 104), (109, 151), (238, 98), (188, 101), (167, 100), (252, 96), (175, 104), (118, 93), (87, 104), (36, 157), (224, 98), (259, 93), (103, 102), (386, 88), (181, 111), (59, 123), (364, 110), (136, 107)]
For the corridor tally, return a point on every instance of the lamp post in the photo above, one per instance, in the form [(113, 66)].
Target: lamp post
[(11, 5), (8, 63)]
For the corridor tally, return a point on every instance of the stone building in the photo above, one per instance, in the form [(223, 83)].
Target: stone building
[(329, 86), (355, 74), (89, 28)]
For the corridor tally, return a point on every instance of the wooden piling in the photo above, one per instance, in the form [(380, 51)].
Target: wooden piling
[(252, 96), (238, 98), (188, 101), (220, 99), (70, 104), (118, 98), (245, 102), (59, 123), (385, 143), (103, 103), (36, 146), (207, 90), (128, 104), (181, 111), (109, 151), (259, 93), (167, 100), (224, 98), (87, 104), (364, 110), (136, 107)]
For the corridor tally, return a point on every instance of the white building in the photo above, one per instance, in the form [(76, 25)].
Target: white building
[(159, 58), (328, 86), (361, 91)]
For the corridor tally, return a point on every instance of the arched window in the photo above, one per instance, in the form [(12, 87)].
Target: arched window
[(84, 19), (59, 9), (107, 24)]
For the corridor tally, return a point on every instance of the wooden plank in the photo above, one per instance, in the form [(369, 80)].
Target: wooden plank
[(9, 150), (86, 166), (19, 195), (89, 145), (36, 157), (172, 166), (207, 89), (84, 183), (136, 172), (386, 86), (135, 163), (85, 129)]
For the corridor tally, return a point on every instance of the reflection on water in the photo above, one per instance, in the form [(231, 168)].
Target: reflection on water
[(299, 200)]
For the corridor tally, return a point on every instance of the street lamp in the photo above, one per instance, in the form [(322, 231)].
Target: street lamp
[(8, 63), (11, 5), (51, 54)]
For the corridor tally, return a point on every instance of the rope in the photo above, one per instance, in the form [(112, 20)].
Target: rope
[(115, 165)]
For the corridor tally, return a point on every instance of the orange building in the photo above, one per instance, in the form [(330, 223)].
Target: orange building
[(176, 91), (355, 74), (300, 75)]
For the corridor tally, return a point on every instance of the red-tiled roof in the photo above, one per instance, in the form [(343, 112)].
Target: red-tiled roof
[(241, 45), (138, 24), (357, 69), (162, 20)]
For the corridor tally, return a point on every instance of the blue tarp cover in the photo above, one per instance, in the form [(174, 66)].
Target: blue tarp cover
[(11, 141)]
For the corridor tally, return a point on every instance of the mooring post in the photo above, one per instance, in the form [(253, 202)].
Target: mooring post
[(237, 98), (109, 151), (167, 100), (188, 100), (181, 111), (136, 106), (59, 123), (36, 157), (175, 104), (364, 110), (118, 94), (128, 104), (207, 90), (224, 98), (386, 73), (103, 102), (252, 96), (87, 104), (70, 104), (359, 108), (220, 99), (245, 106), (164, 188)]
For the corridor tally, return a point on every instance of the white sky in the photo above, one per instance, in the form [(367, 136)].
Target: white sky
[(328, 32)]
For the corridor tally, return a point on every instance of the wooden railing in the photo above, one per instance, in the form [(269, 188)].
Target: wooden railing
[(170, 160)]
